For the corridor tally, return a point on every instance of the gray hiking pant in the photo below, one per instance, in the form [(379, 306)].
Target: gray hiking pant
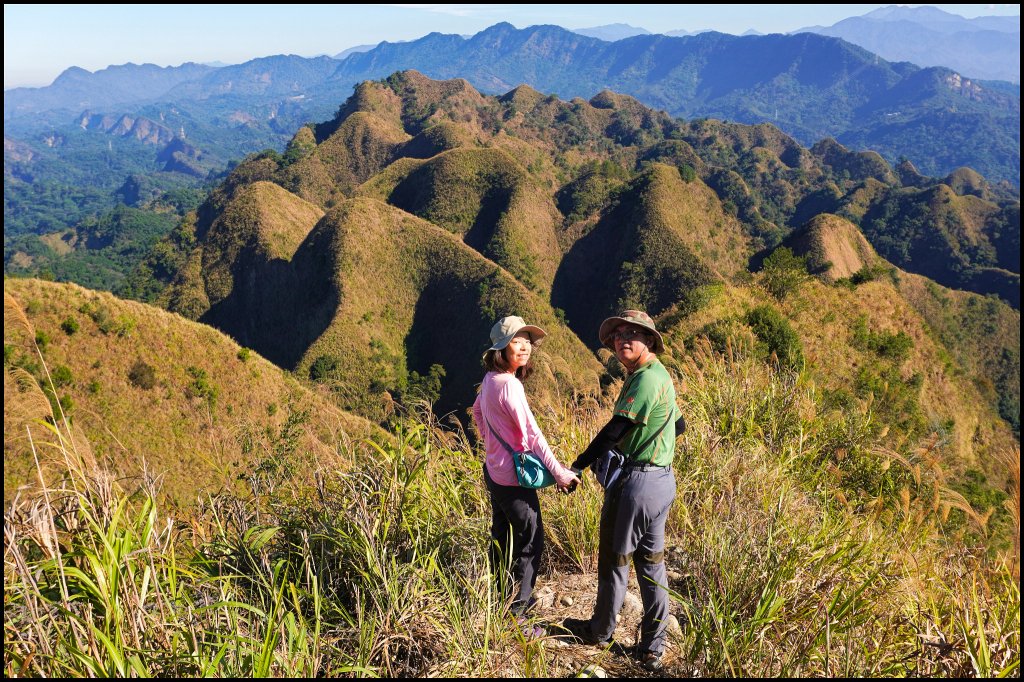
[(517, 541), (633, 527)]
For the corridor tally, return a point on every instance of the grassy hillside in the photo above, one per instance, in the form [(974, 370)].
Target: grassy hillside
[(864, 348), (974, 341), (488, 199), (591, 206), (834, 248), (981, 336), (650, 251), (147, 392), (799, 544), (374, 300), (947, 237)]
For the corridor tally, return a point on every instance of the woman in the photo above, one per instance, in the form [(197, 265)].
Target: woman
[(501, 413)]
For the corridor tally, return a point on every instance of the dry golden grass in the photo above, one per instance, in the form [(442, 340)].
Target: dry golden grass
[(280, 220), (361, 146), (59, 242), (945, 395), (381, 185), (173, 429), (828, 239)]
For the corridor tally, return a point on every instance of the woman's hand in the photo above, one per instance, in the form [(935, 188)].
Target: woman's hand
[(572, 484)]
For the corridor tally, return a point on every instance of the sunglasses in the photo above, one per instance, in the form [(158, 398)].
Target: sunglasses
[(628, 335)]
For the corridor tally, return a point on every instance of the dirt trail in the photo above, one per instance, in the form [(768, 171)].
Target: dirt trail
[(572, 595)]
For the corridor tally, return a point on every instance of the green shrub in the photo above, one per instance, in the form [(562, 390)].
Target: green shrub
[(69, 325), (200, 387), (717, 333), (783, 272), (869, 273), (687, 173), (59, 406), (142, 375), (428, 386), (61, 376), (243, 354), (122, 326), (42, 339), (895, 346), (776, 333), (324, 368)]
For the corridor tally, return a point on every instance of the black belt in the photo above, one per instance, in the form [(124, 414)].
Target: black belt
[(644, 466)]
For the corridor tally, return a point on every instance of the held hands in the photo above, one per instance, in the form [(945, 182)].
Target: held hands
[(571, 485)]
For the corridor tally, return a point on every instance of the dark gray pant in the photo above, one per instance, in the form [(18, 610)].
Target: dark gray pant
[(517, 536), (633, 527)]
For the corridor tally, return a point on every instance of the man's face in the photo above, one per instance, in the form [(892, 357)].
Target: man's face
[(631, 341)]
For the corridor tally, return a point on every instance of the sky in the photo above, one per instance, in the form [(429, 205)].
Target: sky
[(40, 41)]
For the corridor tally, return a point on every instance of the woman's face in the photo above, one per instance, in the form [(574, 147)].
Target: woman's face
[(518, 350)]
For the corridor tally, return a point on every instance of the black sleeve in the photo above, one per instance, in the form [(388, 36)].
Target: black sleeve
[(680, 426), (608, 437)]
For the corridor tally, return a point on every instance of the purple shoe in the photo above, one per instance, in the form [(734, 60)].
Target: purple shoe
[(531, 631)]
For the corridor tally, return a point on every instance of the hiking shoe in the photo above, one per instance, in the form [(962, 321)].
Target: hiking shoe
[(579, 629), (652, 662)]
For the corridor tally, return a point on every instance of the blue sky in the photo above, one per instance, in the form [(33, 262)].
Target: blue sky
[(40, 41)]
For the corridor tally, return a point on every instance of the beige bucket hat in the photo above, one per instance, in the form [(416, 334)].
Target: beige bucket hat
[(507, 327)]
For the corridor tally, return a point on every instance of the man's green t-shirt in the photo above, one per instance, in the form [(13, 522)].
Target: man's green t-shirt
[(648, 399)]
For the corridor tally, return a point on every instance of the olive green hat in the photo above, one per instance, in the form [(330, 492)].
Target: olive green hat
[(635, 317)]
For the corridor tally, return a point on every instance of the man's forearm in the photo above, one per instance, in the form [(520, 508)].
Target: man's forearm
[(608, 437)]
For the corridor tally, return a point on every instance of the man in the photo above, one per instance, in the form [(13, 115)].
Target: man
[(636, 506)]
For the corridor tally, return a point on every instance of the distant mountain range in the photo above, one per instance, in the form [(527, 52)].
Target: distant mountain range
[(809, 86), (127, 134), (612, 32), (984, 47)]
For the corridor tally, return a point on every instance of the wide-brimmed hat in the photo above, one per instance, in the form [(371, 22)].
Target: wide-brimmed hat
[(507, 327), (636, 317)]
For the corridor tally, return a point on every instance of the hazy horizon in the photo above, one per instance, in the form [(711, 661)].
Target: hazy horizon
[(41, 41)]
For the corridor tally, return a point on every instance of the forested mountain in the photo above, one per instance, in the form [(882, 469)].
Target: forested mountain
[(808, 86), (159, 152), (463, 207)]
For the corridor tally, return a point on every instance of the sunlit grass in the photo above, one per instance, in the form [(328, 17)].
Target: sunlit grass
[(796, 547)]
